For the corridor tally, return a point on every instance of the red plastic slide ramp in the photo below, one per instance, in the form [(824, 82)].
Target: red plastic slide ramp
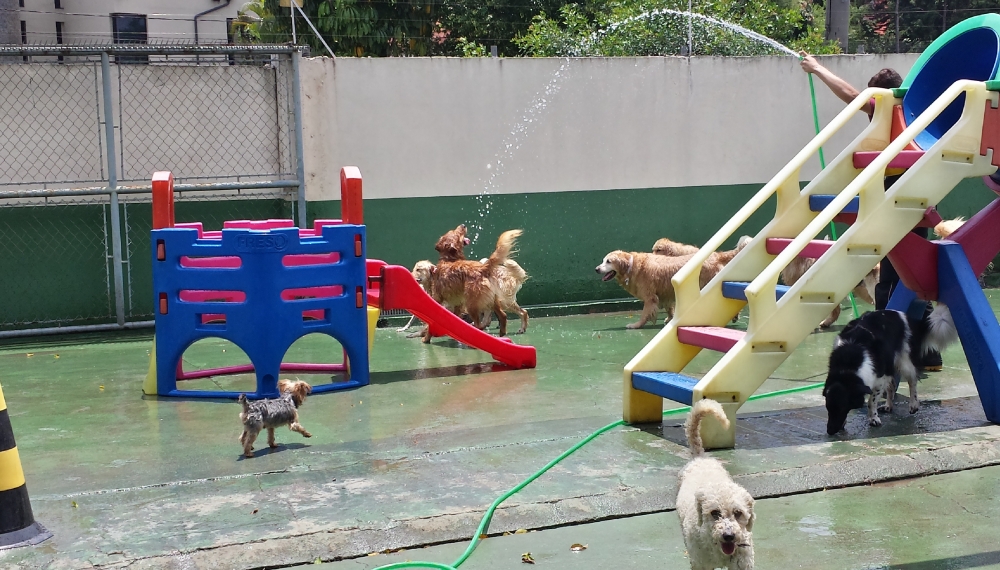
[(400, 291)]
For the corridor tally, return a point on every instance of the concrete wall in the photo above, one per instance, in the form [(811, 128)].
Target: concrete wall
[(450, 127), (89, 21)]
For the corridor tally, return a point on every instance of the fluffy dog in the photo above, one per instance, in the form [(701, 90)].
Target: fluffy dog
[(871, 351), (646, 276), (666, 246), (422, 271), (864, 290), (716, 513), (271, 413), (458, 282), (507, 281), (946, 227)]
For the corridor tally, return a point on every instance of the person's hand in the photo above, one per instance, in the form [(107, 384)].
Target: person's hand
[(808, 63)]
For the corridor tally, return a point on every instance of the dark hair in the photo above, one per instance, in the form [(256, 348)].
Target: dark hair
[(886, 79)]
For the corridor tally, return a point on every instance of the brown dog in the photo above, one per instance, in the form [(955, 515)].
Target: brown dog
[(864, 290), (507, 281), (646, 276), (458, 282), (666, 246)]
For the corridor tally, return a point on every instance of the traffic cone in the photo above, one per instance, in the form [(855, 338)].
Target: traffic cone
[(17, 524)]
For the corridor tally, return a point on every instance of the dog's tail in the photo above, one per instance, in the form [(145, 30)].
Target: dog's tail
[(941, 330), (725, 257), (505, 246), (701, 409), (242, 399)]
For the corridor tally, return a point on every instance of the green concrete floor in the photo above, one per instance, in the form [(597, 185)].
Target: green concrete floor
[(415, 458)]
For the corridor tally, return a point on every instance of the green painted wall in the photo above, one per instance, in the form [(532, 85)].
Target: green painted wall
[(55, 270)]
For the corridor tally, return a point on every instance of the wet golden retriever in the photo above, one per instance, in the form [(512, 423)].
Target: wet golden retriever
[(864, 290), (666, 246), (457, 282), (646, 276)]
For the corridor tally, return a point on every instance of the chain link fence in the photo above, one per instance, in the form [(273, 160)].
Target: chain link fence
[(75, 206)]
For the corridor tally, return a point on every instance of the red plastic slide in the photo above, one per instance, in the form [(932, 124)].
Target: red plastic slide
[(399, 290)]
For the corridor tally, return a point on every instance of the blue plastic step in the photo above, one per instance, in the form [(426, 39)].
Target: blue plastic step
[(819, 201), (737, 290), (669, 385)]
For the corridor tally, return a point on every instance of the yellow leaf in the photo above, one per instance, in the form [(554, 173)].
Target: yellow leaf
[(318, 561), (74, 504), (527, 559), (30, 354), (102, 387), (520, 531), (578, 547)]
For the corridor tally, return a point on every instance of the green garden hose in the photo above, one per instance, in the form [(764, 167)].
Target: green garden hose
[(485, 523)]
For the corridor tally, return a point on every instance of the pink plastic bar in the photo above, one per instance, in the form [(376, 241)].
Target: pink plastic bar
[(246, 368), (321, 292), (228, 262), (713, 338), (206, 296), (815, 249), (299, 259)]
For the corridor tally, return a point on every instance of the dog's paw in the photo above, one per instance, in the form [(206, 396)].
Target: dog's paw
[(875, 421), (248, 454), (402, 329), (885, 407), (633, 326), (914, 407), (306, 434), (272, 445)]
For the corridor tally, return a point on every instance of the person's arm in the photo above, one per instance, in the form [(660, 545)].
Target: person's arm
[(842, 89)]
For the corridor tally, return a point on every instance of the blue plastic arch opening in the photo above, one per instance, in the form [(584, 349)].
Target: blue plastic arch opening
[(969, 50)]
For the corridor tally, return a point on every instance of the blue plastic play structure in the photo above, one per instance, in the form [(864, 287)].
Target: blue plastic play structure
[(261, 290), (948, 270)]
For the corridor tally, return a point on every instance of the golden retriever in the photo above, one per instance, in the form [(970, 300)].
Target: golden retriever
[(946, 227), (457, 282), (507, 281), (646, 276), (422, 271), (666, 246), (864, 290)]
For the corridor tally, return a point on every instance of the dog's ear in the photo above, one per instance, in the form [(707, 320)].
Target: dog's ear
[(699, 499), (752, 516)]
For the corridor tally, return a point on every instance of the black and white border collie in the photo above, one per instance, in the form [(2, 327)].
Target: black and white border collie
[(871, 351)]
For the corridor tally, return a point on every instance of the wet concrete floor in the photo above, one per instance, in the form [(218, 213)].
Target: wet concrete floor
[(415, 458)]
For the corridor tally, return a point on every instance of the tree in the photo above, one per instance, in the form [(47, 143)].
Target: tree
[(363, 27), (920, 22), (661, 27)]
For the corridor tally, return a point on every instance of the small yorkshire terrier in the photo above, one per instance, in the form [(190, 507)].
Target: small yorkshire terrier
[(272, 413)]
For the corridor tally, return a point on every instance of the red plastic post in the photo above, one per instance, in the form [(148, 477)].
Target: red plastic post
[(351, 210), (163, 200), (991, 132)]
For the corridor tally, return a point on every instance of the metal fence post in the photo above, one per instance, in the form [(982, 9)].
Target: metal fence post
[(116, 232), (300, 165)]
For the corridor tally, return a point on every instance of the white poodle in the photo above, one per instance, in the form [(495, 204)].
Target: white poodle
[(716, 514)]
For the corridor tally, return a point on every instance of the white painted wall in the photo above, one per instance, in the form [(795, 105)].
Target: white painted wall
[(444, 126), (89, 21)]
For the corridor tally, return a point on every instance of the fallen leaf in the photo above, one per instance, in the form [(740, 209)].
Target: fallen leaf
[(527, 559), (578, 547), (30, 354), (318, 560), (483, 536), (507, 533), (254, 512), (74, 504), (57, 356), (373, 554), (520, 531), (102, 387)]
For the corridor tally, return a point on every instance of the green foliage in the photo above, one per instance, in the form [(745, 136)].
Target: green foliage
[(364, 27), (661, 27), (873, 22), (488, 23)]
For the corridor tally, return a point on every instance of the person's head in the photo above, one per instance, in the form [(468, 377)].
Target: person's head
[(886, 79)]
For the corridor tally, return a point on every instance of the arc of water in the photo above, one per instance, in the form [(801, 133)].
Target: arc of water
[(664, 11)]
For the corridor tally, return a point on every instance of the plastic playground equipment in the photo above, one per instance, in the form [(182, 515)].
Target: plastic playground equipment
[(946, 129), (263, 284)]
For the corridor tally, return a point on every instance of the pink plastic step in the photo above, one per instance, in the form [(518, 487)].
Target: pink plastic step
[(713, 338), (905, 158), (815, 249)]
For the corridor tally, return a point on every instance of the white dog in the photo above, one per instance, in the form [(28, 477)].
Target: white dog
[(716, 514), (422, 274)]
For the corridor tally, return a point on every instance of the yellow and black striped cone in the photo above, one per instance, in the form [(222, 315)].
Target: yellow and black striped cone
[(17, 524)]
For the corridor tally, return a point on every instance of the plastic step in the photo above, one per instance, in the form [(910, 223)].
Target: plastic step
[(737, 290), (815, 249), (905, 158), (819, 201), (669, 385), (719, 339)]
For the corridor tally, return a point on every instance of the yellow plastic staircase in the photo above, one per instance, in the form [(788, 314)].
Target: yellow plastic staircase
[(778, 325)]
